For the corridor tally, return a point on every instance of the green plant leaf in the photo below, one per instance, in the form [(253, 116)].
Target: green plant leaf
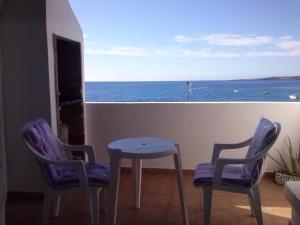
[(299, 156), (297, 169), (294, 164), (282, 166), (289, 145), (294, 160), (276, 161), (284, 162)]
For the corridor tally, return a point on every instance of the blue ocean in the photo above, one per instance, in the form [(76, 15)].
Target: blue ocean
[(195, 91)]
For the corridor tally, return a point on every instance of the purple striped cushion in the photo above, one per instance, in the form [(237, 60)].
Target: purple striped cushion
[(40, 136), (263, 136), (204, 175), (98, 175)]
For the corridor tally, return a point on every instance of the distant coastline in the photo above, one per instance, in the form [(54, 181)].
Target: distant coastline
[(272, 78), (281, 78)]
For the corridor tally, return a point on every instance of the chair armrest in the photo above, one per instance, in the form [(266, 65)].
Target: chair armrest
[(88, 149), (222, 162), (78, 165), (219, 147)]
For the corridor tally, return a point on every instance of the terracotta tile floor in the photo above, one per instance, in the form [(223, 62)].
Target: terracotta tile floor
[(160, 205)]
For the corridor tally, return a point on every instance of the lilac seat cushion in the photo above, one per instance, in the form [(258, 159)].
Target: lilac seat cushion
[(248, 174), (262, 138), (98, 175), (204, 175), (41, 138)]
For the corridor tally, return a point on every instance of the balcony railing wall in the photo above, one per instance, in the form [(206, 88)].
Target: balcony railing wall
[(195, 126)]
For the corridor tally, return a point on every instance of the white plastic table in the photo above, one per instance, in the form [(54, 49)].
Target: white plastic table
[(138, 149)]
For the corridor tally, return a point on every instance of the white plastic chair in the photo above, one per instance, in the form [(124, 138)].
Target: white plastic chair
[(63, 175), (224, 174)]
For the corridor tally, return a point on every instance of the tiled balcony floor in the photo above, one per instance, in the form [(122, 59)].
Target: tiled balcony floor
[(160, 205)]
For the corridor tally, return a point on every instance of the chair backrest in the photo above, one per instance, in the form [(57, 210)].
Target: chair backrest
[(40, 139), (264, 137)]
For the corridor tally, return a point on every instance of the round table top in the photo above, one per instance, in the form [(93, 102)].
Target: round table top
[(143, 147)]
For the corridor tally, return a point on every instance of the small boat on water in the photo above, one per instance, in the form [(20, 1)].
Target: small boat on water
[(235, 91), (293, 97)]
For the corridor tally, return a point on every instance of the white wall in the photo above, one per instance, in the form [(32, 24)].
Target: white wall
[(25, 84), (26, 31), (60, 20), (195, 126)]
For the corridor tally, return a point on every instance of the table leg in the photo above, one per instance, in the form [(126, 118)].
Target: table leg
[(114, 179), (177, 162), (137, 180)]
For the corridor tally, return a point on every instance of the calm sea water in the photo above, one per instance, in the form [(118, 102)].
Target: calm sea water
[(200, 91)]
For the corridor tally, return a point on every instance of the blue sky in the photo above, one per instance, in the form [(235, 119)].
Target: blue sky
[(133, 40)]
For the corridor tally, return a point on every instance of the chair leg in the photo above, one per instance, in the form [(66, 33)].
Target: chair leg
[(255, 197), (259, 217), (46, 208), (56, 206), (179, 175), (251, 205), (207, 198), (2, 213), (103, 205), (114, 180), (94, 205)]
